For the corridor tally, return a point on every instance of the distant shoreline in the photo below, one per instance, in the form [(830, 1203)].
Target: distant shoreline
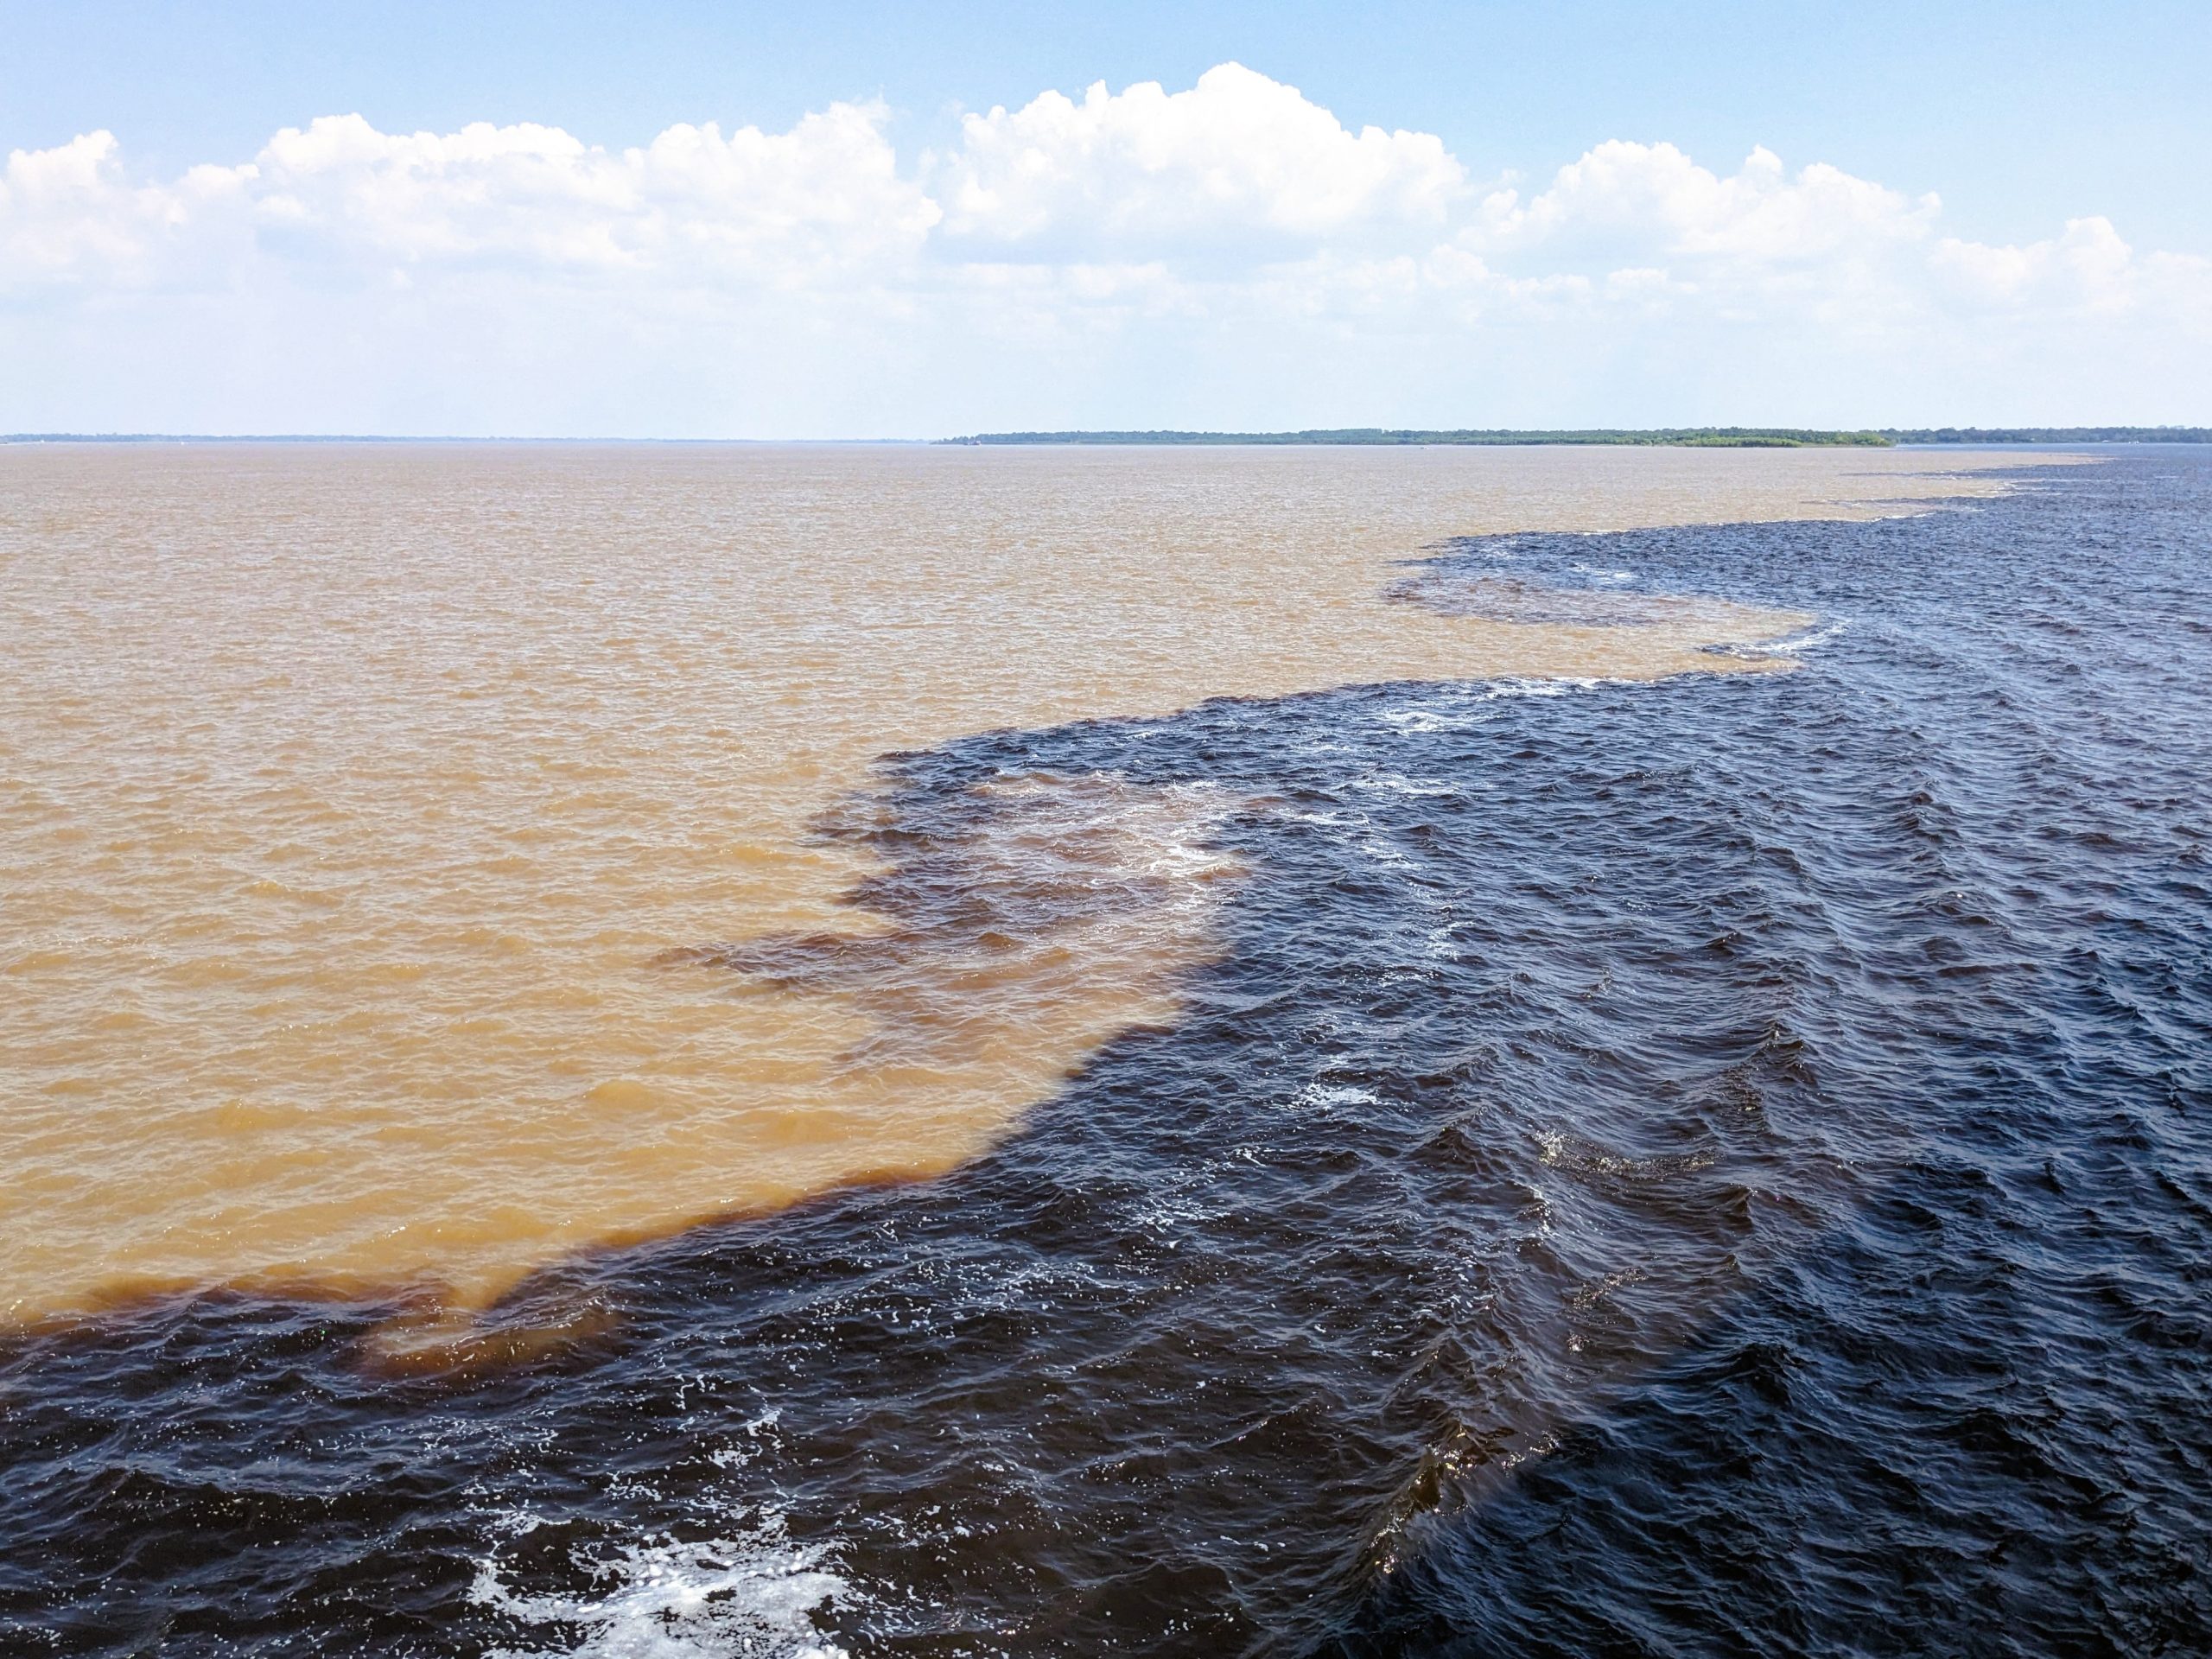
[(1696, 437), (1702, 437)]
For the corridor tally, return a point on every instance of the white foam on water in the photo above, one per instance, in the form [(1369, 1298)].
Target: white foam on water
[(1419, 720), (1559, 687), (751, 1596), (1449, 708), (1795, 645), (1326, 1096), (1396, 783), (1384, 854)]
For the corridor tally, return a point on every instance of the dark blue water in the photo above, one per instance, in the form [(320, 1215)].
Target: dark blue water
[(1722, 1167)]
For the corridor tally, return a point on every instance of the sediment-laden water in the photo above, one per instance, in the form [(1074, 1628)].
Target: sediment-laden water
[(1396, 1107), (372, 814)]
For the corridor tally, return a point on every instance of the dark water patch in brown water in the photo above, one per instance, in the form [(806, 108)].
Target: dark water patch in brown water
[(1514, 599)]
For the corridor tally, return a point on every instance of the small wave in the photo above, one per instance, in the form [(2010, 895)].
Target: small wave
[(1459, 709), (1792, 645), (1519, 688), (1333, 1096), (1396, 783)]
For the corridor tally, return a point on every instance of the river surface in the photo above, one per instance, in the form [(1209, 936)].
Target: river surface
[(701, 1052)]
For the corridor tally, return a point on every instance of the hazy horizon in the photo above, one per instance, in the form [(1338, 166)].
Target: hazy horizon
[(1128, 437)]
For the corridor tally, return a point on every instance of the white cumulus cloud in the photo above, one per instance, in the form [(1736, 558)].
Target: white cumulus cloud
[(1227, 254), (827, 194), (1654, 202), (826, 198), (72, 214), (1235, 156)]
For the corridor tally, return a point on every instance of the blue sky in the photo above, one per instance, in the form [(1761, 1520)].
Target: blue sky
[(2026, 122)]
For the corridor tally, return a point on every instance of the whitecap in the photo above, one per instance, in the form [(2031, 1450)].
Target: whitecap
[(755, 1594)]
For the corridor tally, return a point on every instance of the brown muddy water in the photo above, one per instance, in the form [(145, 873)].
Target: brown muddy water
[(422, 863)]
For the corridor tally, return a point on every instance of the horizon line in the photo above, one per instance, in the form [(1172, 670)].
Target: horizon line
[(1309, 436)]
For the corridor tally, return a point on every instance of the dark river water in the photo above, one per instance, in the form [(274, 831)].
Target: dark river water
[(1717, 1167)]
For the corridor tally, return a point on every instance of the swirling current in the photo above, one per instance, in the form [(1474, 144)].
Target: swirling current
[(1717, 1166)]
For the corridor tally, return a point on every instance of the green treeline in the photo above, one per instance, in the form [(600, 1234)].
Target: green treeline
[(1711, 437), (2050, 435), (1719, 437), (1726, 437)]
